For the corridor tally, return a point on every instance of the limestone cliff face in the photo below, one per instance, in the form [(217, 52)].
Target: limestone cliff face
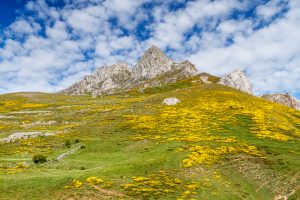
[(237, 79), (284, 99), (151, 64), (153, 68), (105, 80)]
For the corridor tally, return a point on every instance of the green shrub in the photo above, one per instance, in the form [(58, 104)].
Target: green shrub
[(68, 143), (39, 158), (76, 140), (82, 146)]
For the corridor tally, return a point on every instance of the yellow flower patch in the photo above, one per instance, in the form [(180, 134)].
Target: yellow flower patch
[(159, 184), (75, 184), (94, 180), (33, 105), (208, 155)]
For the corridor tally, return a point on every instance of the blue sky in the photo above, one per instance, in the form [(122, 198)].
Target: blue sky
[(47, 45)]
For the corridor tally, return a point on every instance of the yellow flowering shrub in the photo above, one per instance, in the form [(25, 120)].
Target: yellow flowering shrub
[(208, 155), (90, 181), (94, 180), (33, 105), (160, 184), (13, 168), (210, 118), (75, 184)]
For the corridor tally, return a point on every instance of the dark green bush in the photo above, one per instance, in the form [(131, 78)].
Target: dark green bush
[(68, 143), (82, 146), (39, 158), (76, 140)]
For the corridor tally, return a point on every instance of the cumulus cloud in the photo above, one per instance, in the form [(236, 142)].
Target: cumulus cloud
[(53, 45), (269, 55)]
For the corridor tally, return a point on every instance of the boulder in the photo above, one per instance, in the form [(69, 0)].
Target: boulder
[(171, 101)]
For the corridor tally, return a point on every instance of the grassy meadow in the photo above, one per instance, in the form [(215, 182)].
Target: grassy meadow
[(217, 143)]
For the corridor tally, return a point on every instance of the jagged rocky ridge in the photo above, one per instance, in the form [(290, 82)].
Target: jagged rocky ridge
[(154, 68), (118, 77)]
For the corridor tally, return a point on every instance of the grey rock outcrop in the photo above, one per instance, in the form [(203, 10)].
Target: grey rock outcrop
[(105, 80), (204, 78), (151, 64), (24, 135), (237, 79), (63, 155), (284, 99)]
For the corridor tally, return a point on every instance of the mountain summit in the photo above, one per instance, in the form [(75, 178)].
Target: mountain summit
[(151, 64), (119, 77)]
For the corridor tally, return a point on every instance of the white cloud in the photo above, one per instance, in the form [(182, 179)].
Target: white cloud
[(268, 10), (21, 27), (266, 54), (76, 38), (58, 31)]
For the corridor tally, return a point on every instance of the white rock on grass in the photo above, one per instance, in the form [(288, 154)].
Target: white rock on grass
[(39, 123), (205, 79), (24, 135), (63, 155), (6, 117), (171, 101)]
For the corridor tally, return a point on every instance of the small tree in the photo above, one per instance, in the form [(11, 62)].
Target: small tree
[(68, 143), (39, 159)]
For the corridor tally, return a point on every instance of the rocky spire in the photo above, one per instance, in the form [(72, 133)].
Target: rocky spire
[(237, 79), (151, 64), (284, 99)]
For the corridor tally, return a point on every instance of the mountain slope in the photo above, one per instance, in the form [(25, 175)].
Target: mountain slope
[(217, 143)]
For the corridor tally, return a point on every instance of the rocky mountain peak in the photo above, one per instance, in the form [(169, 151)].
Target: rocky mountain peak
[(284, 99), (153, 68), (237, 79), (152, 63)]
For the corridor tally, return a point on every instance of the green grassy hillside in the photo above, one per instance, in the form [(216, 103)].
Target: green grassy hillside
[(218, 143)]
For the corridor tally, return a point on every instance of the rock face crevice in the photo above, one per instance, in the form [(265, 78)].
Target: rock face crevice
[(237, 79), (153, 64), (284, 99)]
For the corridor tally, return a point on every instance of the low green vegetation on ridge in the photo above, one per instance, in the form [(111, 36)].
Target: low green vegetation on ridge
[(217, 143)]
